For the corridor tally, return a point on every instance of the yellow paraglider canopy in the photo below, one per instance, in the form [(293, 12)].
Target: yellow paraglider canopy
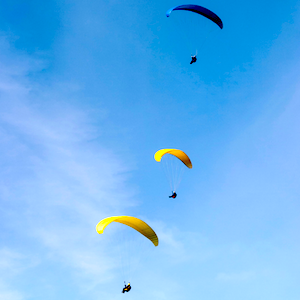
[(132, 222), (177, 153)]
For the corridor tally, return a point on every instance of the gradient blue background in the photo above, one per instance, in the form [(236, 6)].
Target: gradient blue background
[(90, 90)]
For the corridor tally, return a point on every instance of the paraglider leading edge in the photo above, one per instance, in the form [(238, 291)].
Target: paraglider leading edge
[(199, 10)]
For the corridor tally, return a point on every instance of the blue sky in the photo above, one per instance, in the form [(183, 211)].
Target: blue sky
[(89, 91)]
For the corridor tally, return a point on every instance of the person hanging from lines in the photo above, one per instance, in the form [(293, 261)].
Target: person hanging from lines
[(127, 287), (194, 59), (174, 161), (174, 195)]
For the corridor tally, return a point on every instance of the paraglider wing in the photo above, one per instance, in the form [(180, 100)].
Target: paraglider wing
[(177, 153), (132, 222), (199, 10)]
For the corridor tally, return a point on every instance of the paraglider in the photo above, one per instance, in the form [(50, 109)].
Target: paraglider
[(171, 161), (138, 225), (202, 11)]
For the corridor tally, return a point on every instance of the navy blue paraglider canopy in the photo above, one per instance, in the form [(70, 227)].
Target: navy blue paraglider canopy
[(199, 10)]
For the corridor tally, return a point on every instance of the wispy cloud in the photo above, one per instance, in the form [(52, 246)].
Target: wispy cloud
[(236, 277), (57, 181), (10, 295), (12, 264)]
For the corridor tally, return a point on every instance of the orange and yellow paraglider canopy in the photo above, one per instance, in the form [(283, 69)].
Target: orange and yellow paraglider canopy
[(132, 222), (177, 153)]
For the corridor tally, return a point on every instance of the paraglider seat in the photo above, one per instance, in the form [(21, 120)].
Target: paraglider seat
[(194, 59), (127, 288)]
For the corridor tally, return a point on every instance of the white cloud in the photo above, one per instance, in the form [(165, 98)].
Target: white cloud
[(57, 181)]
